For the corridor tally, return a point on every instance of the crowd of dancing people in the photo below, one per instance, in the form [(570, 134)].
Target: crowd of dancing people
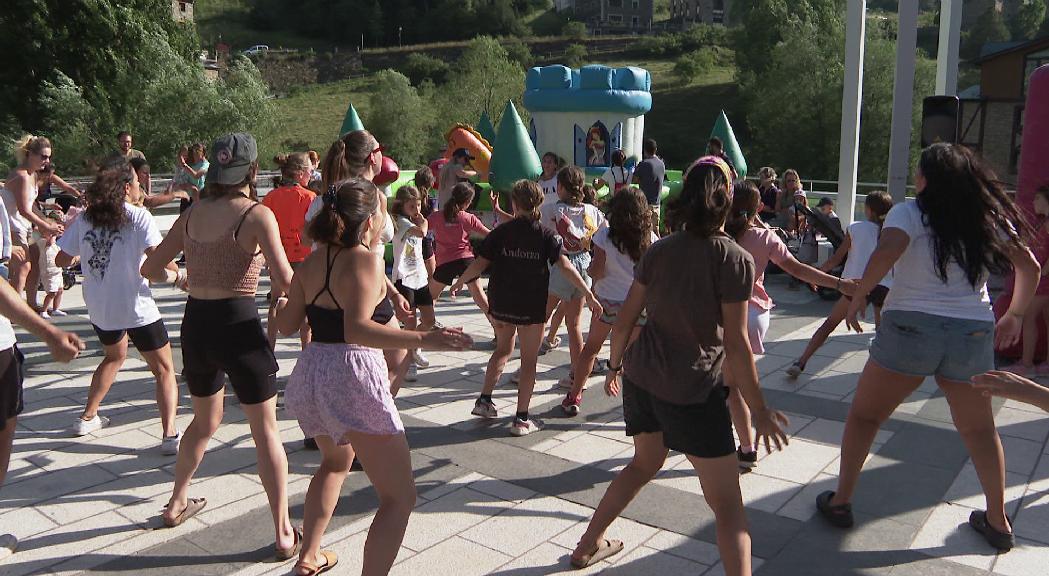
[(678, 289)]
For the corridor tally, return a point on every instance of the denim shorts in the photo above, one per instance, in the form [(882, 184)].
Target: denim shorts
[(920, 344), (560, 286)]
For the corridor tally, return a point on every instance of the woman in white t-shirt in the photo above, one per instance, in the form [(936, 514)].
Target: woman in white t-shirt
[(860, 240), (548, 179), (112, 239), (938, 321), (617, 177), (616, 250)]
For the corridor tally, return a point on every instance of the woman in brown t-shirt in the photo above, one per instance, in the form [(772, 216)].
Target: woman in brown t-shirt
[(673, 397)]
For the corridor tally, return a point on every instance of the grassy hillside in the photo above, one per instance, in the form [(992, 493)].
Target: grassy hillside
[(229, 21), (681, 117)]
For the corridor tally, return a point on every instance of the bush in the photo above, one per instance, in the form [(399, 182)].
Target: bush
[(575, 56), (574, 29), (519, 52), (399, 117), (420, 66), (691, 66)]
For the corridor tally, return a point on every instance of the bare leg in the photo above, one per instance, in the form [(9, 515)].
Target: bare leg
[(573, 310), (436, 288), (396, 363), (49, 298), (160, 363), (322, 496), (584, 363), (305, 334), (504, 346), (105, 374), (18, 270), (57, 304), (7, 438), (272, 466), (531, 335), (878, 394), (720, 480), (649, 455), (207, 415), (388, 465), (1030, 328), (555, 322), (33, 276), (974, 418), (837, 314), (479, 296), (739, 410)]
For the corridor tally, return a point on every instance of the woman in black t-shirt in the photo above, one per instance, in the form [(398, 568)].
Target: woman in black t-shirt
[(518, 254)]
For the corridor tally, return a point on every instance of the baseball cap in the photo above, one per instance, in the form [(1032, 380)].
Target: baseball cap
[(231, 157), (825, 202), (462, 153)]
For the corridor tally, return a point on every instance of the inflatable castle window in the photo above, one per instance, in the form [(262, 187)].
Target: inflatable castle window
[(583, 115)]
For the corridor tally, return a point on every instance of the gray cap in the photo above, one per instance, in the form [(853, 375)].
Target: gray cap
[(231, 158)]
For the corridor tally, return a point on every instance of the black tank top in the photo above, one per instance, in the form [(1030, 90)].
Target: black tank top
[(326, 324)]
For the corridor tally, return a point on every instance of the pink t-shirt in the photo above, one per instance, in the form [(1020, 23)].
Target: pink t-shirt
[(452, 239), (764, 246)]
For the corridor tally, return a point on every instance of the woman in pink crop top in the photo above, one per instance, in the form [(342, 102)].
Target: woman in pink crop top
[(227, 236)]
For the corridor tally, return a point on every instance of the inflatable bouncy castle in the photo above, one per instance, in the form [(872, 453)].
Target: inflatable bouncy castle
[(584, 115), (464, 136)]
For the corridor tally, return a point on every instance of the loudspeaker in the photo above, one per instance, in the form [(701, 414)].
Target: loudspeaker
[(939, 120)]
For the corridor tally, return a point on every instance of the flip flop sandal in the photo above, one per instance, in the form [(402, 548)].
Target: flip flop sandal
[(605, 549), (1000, 540), (840, 515), (330, 560), (193, 505), (289, 553)]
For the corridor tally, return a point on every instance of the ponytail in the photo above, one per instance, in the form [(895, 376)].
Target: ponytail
[(745, 201), (879, 203), (462, 197), (29, 144)]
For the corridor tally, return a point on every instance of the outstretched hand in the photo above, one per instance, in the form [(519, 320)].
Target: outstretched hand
[(857, 311), (447, 339), (64, 346), (769, 425)]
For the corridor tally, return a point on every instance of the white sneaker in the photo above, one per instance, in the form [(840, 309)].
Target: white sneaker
[(420, 360), (169, 445), (45, 315), (58, 313), (413, 373), (8, 545), (523, 427), (84, 427)]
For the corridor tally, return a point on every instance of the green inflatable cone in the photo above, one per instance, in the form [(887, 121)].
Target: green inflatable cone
[(514, 157), (722, 129), (352, 122), (485, 128)]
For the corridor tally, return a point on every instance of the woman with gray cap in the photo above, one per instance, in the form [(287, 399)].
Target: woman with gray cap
[(227, 236)]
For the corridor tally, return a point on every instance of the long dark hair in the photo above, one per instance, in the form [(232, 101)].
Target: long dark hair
[(348, 156), (216, 190), (745, 201), (347, 206), (462, 197), (973, 222), (704, 201), (105, 196), (630, 222)]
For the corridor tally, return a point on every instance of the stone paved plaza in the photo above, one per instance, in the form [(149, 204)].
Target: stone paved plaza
[(492, 504)]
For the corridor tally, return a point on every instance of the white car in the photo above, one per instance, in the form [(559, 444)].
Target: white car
[(256, 49)]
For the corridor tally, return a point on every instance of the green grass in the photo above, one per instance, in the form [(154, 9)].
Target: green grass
[(229, 21), (681, 118)]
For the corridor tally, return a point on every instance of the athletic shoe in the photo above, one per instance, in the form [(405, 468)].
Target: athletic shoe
[(413, 373), (169, 445), (549, 345), (485, 409), (58, 313), (600, 368), (523, 427), (747, 460), (45, 315), (571, 405), (420, 360), (795, 369), (566, 383), (437, 325), (84, 427)]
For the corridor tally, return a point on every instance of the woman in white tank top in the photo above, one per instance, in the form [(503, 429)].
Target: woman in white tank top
[(19, 193)]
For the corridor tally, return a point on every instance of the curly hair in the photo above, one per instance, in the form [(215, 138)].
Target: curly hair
[(974, 223), (348, 204), (106, 195), (630, 222), (704, 202)]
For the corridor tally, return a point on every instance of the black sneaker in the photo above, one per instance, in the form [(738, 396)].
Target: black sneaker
[(747, 460), (309, 444)]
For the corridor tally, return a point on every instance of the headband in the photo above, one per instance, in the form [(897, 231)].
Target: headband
[(713, 161)]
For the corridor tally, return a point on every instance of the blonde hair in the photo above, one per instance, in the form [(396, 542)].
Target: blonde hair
[(29, 144)]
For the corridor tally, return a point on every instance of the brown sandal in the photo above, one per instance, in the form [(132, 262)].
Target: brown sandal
[(193, 505), (289, 553), (605, 549), (330, 560)]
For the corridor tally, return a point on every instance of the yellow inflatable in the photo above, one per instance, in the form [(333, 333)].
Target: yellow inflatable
[(464, 136)]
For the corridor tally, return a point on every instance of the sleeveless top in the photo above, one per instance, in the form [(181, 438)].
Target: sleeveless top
[(19, 224), (326, 323), (222, 263)]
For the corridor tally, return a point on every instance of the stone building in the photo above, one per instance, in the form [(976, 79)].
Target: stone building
[(686, 12), (611, 16), (182, 10), (992, 112)]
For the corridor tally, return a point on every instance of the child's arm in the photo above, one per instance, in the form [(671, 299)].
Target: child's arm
[(503, 215), (810, 275), (839, 255), (626, 321), (291, 309), (573, 276), (420, 226), (596, 270)]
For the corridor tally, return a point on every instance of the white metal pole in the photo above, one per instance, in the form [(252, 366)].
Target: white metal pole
[(848, 157), (903, 100), (947, 54)]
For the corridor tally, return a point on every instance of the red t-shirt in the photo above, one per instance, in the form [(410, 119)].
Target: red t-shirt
[(452, 239), (289, 204)]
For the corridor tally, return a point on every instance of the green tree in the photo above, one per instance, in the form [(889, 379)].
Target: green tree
[(482, 80), (1028, 19), (420, 66), (574, 29), (575, 56), (988, 28), (691, 66), (399, 117), (519, 52)]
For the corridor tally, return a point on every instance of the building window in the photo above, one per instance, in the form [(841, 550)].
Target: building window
[(635, 4), (182, 7), (634, 23), (615, 3), (615, 18)]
